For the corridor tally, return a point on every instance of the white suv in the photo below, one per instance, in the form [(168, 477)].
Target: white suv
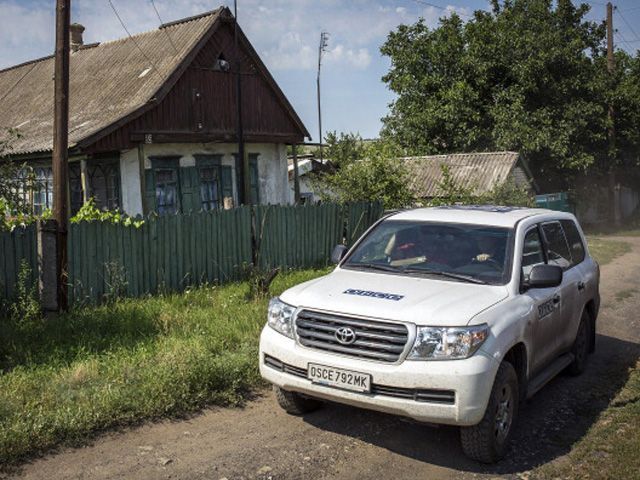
[(447, 315)]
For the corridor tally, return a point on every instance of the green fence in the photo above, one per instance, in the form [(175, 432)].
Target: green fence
[(17, 247), (173, 252)]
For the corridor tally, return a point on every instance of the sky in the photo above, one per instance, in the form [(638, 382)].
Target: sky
[(286, 34)]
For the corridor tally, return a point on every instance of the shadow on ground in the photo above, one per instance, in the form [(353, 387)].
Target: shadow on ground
[(549, 424)]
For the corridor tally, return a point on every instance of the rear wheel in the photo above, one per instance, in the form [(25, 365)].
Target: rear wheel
[(294, 403), (580, 347), (487, 441)]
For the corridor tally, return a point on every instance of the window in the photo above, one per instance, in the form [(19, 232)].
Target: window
[(75, 187), (43, 190), (210, 181), (103, 178), (532, 251), (557, 247), (210, 187), (166, 190), (456, 251), (575, 241)]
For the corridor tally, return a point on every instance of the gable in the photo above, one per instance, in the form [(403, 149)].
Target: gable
[(202, 105)]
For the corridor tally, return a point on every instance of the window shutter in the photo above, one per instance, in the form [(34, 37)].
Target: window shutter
[(189, 192), (150, 190), (227, 184)]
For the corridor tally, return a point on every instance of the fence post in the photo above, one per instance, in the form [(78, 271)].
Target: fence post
[(47, 267)]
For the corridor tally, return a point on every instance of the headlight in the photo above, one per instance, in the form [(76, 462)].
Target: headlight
[(438, 343), (280, 317)]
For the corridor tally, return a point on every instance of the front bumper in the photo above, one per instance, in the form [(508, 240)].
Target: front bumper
[(470, 380)]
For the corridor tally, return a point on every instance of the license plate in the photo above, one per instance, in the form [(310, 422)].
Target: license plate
[(339, 378)]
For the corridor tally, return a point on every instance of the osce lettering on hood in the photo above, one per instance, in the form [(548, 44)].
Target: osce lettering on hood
[(368, 293)]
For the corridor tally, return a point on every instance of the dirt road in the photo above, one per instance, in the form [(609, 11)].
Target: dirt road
[(260, 441)]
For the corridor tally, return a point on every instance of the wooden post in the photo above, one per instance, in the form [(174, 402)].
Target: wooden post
[(296, 175), (611, 66), (143, 182), (61, 146)]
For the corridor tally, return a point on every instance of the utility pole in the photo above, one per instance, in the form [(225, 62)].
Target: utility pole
[(296, 175), (60, 164), (244, 192), (611, 66), (324, 38)]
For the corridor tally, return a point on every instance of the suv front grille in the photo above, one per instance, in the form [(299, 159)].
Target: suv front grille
[(383, 341)]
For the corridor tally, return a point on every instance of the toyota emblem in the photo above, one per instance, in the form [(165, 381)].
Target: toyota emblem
[(345, 335)]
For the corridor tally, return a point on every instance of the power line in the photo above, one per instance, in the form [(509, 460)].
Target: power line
[(165, 30), (446, 9), (113, 7), (18, 81), (628, 25)]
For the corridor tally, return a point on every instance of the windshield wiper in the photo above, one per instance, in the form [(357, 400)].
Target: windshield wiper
[(456, 276), (374, 266)]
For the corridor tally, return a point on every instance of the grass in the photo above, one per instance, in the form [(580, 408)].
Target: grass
[(94, 368), (625, 294), (611, 447), (605, 250)]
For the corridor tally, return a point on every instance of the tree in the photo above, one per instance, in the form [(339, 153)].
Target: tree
[(363, 172), (11, 182), (528, 76)]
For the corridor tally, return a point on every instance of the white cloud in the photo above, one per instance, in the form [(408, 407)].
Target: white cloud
[(284, 32)]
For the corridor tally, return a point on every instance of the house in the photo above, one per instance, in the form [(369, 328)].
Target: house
[(480, 172), (307, 166), (153, 120)]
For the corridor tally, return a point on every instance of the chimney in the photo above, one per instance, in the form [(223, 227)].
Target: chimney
[(75, 39)]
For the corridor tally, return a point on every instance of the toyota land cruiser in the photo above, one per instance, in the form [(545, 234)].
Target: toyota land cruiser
[(449, 315)]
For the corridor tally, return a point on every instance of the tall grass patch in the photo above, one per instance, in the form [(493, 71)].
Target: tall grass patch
[(68, 376)]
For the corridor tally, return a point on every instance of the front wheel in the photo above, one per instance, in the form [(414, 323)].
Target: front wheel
[(294, 403), (487, 441), (580, 348)]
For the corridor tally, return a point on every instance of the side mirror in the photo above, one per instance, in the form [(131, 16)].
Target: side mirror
[(544, 276), (338, 253)]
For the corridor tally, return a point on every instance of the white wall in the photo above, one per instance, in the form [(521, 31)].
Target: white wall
[(272, 168)]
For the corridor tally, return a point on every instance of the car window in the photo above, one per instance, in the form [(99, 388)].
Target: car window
[(413, 247), (575, 241), (557, 247), (532, 252)]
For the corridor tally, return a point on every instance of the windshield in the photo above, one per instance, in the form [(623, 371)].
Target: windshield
[(459, 252)]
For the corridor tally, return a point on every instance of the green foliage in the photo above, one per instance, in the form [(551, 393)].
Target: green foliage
[(364, 172), (529, 76), (11, 202), (128, 361), (90, 213)]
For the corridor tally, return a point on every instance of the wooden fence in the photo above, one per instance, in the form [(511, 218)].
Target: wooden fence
[(173, 252), (17, 248)]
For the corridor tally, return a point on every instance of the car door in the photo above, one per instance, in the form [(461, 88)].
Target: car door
[(559, 253), (576, 279), (545, 303)]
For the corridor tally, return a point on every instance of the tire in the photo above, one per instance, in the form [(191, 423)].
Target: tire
[(294, 403), (580, 348), (487, 441)]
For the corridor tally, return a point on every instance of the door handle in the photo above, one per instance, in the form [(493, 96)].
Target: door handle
[(581, 286)]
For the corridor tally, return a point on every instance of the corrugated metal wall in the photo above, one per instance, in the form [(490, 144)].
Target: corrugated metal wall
[(173, 252), (17, 248)]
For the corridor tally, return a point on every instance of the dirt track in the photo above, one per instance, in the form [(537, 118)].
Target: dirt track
[(260, 441)]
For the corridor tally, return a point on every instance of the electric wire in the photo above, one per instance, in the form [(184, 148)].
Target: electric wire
[(12, 88), (175, 49), (115, 11), (637, 37), (446, 9)]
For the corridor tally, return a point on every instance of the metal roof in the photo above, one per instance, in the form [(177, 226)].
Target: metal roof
[(110, 83), (478, 171)]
